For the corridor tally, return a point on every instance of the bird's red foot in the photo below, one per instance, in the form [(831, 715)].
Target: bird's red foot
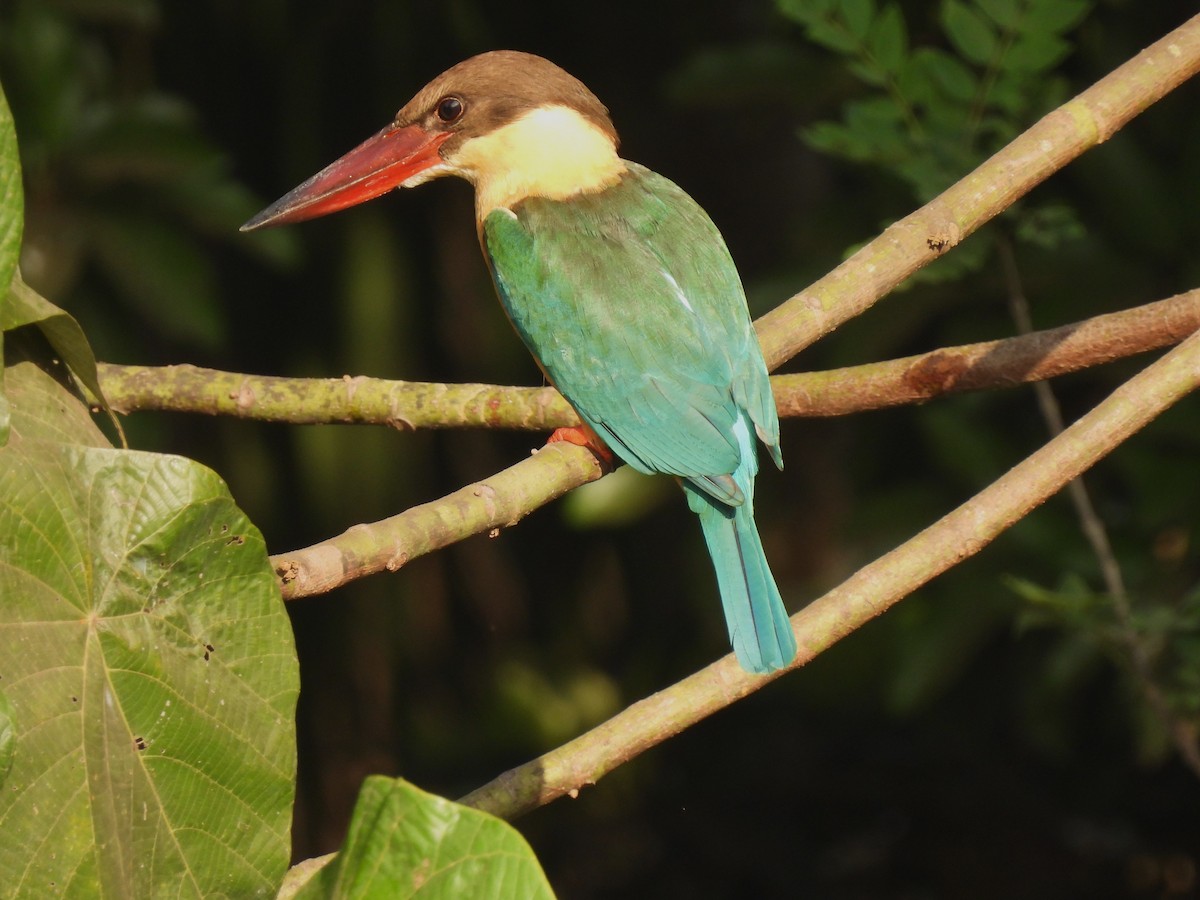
[(584, 437)]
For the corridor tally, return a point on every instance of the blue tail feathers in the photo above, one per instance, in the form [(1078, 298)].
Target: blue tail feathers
[(758, 623)]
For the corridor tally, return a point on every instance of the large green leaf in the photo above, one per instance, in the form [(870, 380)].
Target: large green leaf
[(27, 307), (43, 408), (12, 220), (149, 672), (405, 843)]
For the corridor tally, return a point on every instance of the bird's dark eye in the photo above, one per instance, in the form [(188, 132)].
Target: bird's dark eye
[(450, 109)]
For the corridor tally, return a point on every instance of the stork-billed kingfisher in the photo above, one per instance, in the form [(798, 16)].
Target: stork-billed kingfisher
[(617, 281)]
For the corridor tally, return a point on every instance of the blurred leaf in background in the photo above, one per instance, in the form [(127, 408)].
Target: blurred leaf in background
[(120, 177)]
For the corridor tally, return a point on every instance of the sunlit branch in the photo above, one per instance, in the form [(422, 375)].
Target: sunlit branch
[(496, 502), (412, 405)]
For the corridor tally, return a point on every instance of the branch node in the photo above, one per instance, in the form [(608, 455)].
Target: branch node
[(935, 374), (244, 396), (944, 238), (287, 571), (352, 383)]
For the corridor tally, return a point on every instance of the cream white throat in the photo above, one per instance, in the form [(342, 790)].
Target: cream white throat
[(551, 151)]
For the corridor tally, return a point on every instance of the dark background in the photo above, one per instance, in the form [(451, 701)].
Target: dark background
[(959, 746)]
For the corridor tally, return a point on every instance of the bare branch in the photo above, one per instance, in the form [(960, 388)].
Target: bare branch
[(836, 392), (866, 594), (1003, 363), (499, 502)]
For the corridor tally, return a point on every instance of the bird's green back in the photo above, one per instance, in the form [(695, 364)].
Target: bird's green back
[(632, 305)]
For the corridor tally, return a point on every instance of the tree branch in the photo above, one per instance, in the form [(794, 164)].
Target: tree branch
[(1003, 363), (318, 401), (499, 502), (866, 594), (502, 500), (836, 392)]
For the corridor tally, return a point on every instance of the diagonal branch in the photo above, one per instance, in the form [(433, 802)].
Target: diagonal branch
[(866, 594), (1089, 119), (499, 502)]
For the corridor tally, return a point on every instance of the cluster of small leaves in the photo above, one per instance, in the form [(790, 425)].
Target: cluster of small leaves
[(930, 114), (1166, 633), (120, 176)]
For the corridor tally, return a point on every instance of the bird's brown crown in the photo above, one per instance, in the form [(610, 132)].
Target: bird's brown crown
[(519, 126)]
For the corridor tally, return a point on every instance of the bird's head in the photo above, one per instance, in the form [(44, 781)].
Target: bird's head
[(513, 124)]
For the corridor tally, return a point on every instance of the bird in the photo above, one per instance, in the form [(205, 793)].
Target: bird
[(618, 283)]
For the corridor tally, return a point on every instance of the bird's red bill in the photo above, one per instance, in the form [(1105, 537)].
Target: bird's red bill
[(374, 167)]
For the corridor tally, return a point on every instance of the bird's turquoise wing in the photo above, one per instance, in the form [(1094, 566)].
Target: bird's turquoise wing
[(630, 302)]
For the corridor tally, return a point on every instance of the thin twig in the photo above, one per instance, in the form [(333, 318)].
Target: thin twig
[(1094, 530), (1089, 520)]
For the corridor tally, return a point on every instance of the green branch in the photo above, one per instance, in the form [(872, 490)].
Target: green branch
[(411, 404), (404, 405)]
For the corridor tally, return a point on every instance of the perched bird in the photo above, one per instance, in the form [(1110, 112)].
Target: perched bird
[(617, 281)]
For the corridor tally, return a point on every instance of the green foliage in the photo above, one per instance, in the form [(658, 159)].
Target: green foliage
[(24, 306), (406, 843), (146, 737), (1165, 632), (12, 221), (930, 114)]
